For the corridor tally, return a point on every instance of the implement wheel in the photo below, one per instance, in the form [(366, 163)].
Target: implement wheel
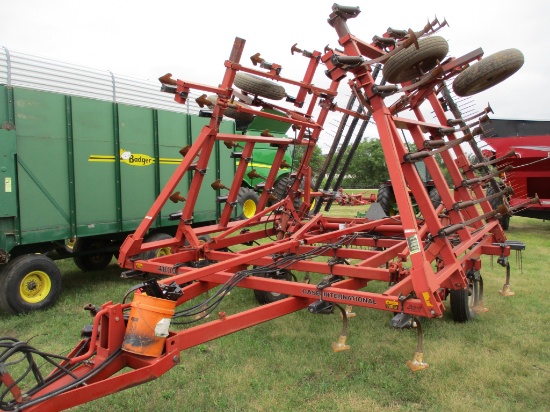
[(248, 200), (259, 86), (264, 297), (488, 72), (462, 301), (410, 63), (29, 282), (94, 261)]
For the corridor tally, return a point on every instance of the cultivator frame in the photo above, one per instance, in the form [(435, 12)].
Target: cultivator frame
[(422, 259)]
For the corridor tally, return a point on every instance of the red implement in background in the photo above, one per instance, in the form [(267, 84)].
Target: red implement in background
[(530, 173)]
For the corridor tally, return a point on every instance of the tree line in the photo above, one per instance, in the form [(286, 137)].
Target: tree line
[(367, 169)]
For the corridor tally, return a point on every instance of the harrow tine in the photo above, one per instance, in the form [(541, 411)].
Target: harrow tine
[(475, 166), (481, 179), (464, 204)]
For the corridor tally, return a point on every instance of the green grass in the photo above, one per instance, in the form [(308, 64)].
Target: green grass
[(498, 362)]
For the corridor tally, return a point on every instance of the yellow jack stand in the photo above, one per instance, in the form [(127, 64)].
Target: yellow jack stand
[(506, 291), (417, 363), (341, 344)]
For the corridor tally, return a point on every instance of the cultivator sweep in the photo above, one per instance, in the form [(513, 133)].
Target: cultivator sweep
[(423, 258)]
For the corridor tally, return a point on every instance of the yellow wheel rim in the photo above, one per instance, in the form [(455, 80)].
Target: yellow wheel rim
[(313, 204), (164, 252), (249, 208), (35, 286)]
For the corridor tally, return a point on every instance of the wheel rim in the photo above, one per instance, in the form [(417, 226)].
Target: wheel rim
[(35, 286), (249, 208), (313, 204), (164, 252)]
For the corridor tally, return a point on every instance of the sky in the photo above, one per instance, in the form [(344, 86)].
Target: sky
[(192, 39)]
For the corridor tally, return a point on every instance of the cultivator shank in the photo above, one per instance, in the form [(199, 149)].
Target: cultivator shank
[(423, 254)]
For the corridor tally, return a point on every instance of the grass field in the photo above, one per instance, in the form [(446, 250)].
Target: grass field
[(498, 362)]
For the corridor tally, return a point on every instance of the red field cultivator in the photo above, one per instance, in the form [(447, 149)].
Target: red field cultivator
[(422, 258), (353, 199)]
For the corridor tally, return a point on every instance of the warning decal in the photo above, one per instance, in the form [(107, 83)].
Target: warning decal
[(414, 244)]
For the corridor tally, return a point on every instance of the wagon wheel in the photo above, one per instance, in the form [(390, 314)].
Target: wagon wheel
[(410, 63), (264, 297), (29, 282), (150, 254), (94, 261), (248, 200), (260, 87), (233, 112), (488, 72)]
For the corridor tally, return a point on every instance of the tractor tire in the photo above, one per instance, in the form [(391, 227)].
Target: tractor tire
[(259, 86), (495, 204), (29, 282), (405, 64), (488, 72), (461, 305), (264, 297), (435, 198), (92, 262), (280, 190), (151, 254), (248, 200), (234, 113), (386, 200)]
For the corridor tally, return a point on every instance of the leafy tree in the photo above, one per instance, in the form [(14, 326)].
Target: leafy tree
[(316, 162), (368, 166)]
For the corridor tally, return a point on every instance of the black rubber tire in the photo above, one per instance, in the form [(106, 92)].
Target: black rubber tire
[(264, 297), (248, 200), (151, 254), (461, 310), (280, 190), (259, 86), (28, 283), (386, 199), (495, 204), (92, 262), (488, 72), (505, 222), (403, 66), (234, 113), (435, 198)]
